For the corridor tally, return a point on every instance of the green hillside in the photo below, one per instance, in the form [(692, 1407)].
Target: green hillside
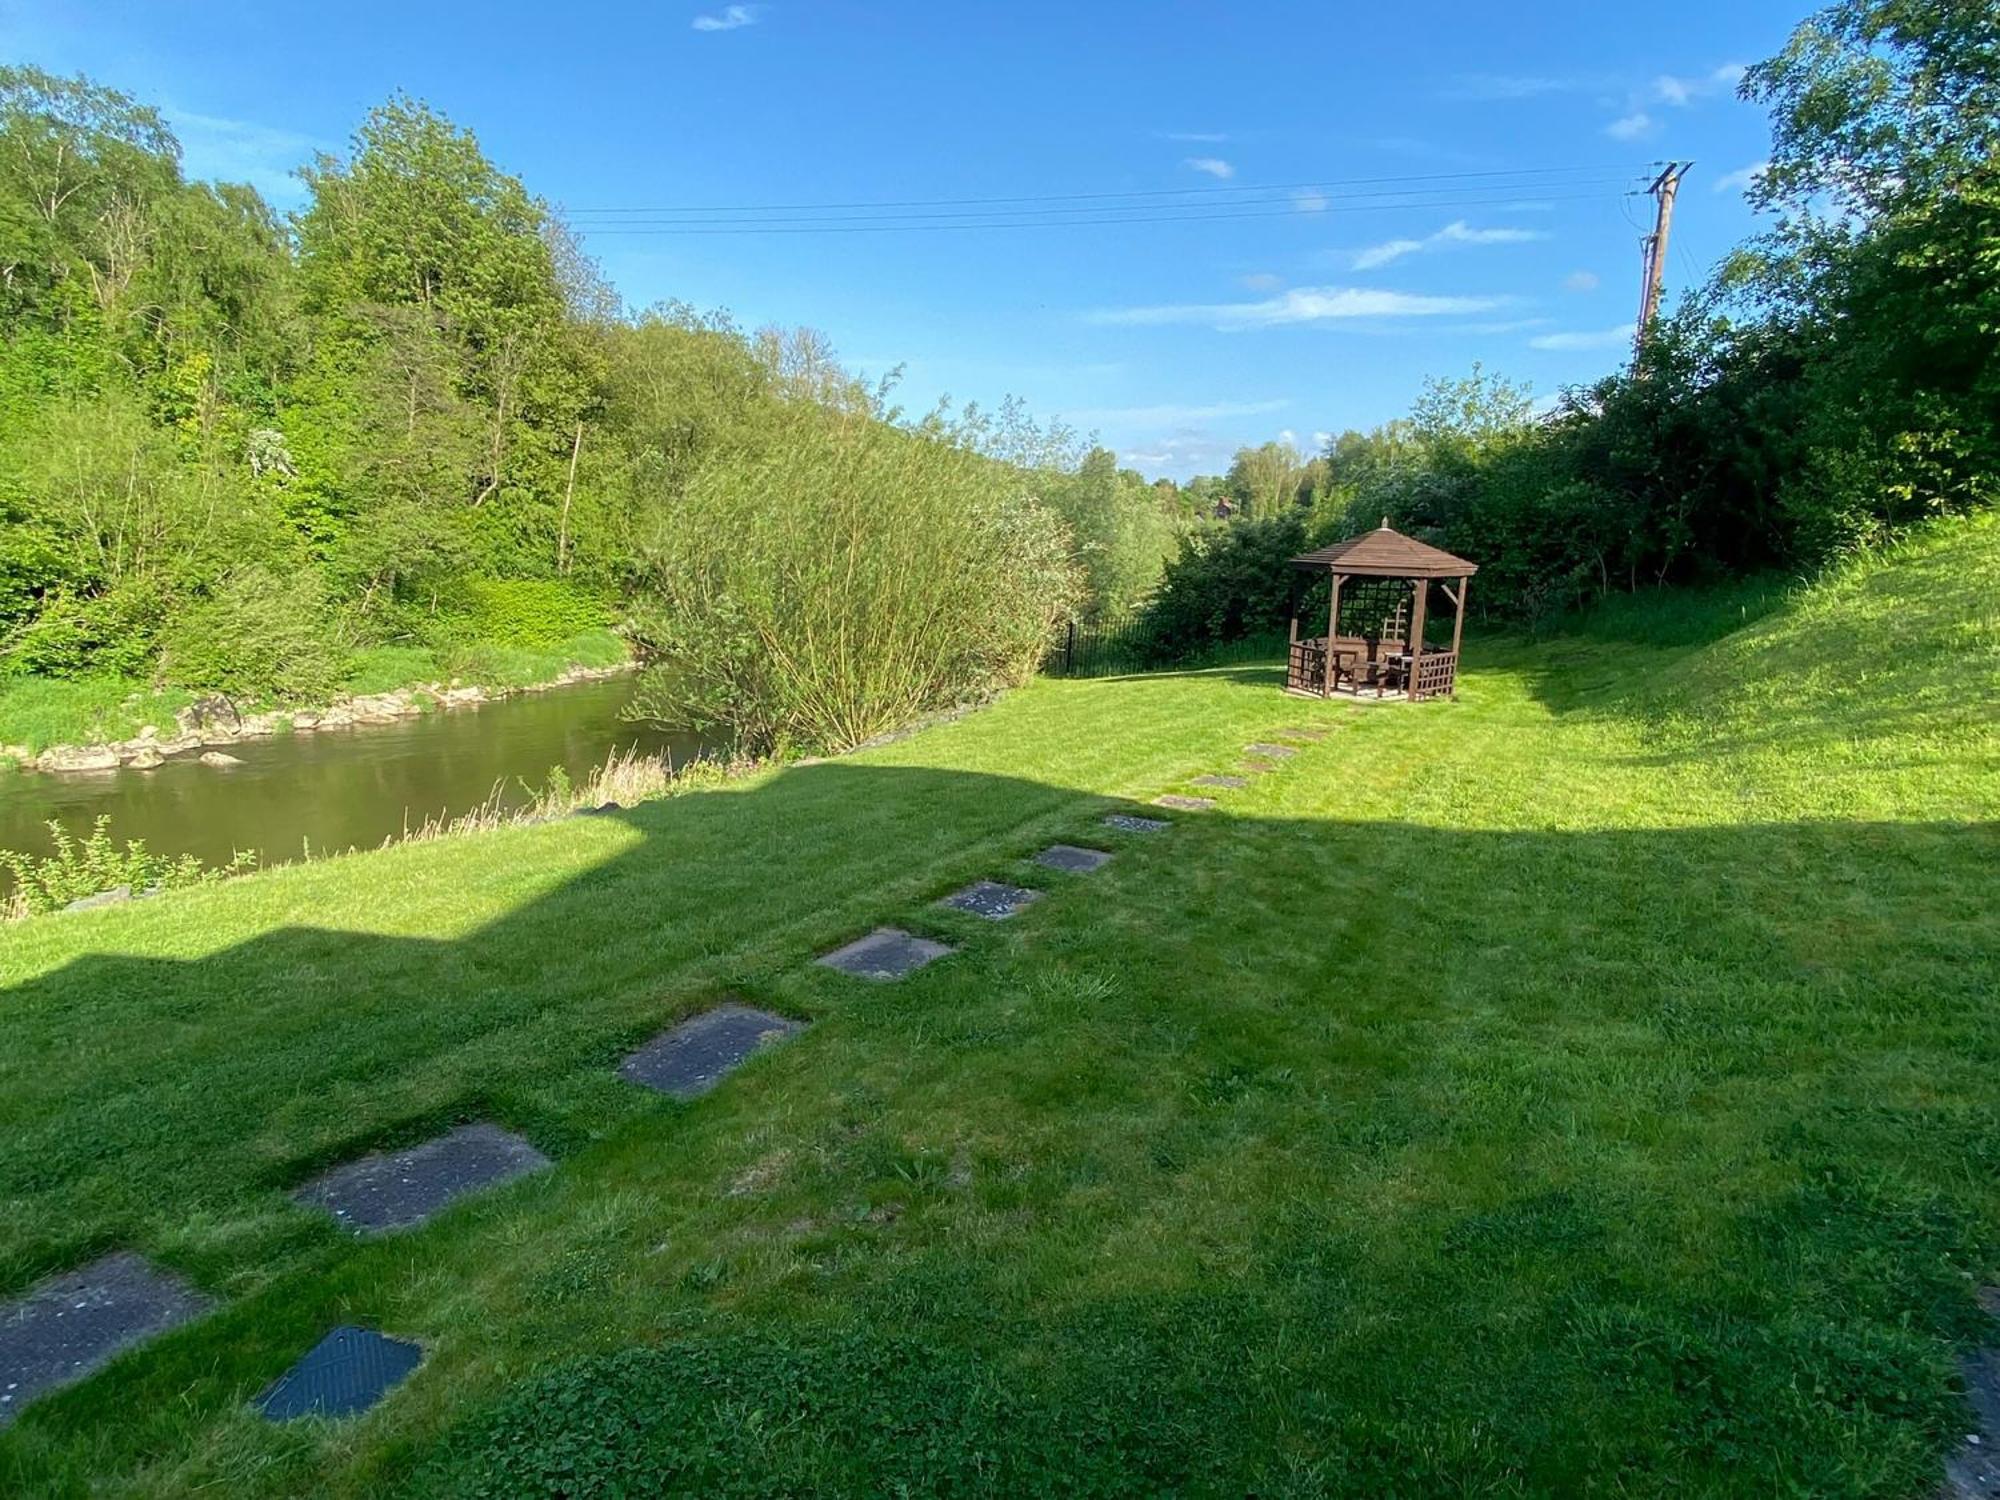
[(1590, 1084)]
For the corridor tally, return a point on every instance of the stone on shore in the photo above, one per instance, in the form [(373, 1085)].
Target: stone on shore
[(78, 758), (112, 897)]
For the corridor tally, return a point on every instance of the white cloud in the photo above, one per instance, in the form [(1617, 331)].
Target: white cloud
[(1630, 127), (1581, 281), (1169, 414), (1680, 91), (1603, 338), (1458, 232), (1263, 281), (1321, 439), (1382, 254), (1300, 306), (1194, 137), (1742, 178), (1214, 166), (1494, 87), (1309, 200), (731, 17), (219, 150)]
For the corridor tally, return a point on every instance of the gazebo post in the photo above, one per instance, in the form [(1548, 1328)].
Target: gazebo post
[(1332, 629), (1423, 589), (1458, 628), (1292, 643)]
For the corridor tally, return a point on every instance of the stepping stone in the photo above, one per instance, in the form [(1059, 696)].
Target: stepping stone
[(1133, 823), (392, 1189), (886, 953), (1260, 767), (1185, 804), (1973, 1472), (1070, 857), (346, 1372), (73, 1324), (1270, 751), (1234, 783), (690, 1059), (991, 900)]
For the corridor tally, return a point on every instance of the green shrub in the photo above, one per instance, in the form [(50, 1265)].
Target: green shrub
[(259, 636), (1231, 582), (109, 634), (80, 868), (520, 612), (845, 581)]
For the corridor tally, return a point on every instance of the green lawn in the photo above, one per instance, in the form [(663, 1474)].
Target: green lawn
[(1589, 1085)]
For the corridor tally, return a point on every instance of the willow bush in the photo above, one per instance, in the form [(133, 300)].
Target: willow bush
[(839, 582)]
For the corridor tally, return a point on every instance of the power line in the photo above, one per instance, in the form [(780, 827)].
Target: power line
[(891, 226), (1407, 198), (1321, 185)]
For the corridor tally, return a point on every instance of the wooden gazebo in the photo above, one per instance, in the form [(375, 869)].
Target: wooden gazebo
[(1380, 585)]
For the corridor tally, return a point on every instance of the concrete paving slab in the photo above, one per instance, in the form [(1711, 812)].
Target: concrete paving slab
[(72, 1325), (991, 900), (884, 954), (690, 1059), (1133, 823), (395, 1189), (1073, 858)]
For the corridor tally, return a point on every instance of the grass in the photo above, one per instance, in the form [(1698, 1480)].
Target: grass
[(1592, 1084), (39, 712)]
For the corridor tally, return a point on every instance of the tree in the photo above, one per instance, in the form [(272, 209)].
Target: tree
[(1265, 480)]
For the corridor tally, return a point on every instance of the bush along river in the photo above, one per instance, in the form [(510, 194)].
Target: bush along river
[(353, 780)]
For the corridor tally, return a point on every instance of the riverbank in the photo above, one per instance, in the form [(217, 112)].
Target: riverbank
[(104, 725)]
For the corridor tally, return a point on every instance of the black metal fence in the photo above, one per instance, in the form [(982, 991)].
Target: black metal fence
[(1123, 643), (1096, 647)]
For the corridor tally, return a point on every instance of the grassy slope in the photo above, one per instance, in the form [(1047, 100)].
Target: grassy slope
[(1597, 1077)]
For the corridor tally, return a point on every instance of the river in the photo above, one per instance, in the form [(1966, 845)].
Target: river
[(338, 789)]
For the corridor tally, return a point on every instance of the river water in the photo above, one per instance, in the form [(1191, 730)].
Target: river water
[(342, 788)]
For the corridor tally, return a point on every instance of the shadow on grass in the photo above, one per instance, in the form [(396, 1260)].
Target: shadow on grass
[(1610, 1143)]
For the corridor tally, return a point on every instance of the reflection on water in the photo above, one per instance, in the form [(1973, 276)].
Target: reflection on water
[(342, 788)]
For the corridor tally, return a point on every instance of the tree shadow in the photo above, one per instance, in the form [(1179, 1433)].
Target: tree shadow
[(1682, 1029)]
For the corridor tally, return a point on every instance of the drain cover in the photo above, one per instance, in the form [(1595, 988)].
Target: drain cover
[(346, 1372)]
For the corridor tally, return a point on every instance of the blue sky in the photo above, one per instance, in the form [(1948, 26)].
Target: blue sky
[(1316, 206)]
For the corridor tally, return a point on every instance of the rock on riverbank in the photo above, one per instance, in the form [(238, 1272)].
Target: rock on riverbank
[(214, 722)]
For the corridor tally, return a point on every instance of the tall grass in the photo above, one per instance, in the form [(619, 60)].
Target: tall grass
[(837, 584)]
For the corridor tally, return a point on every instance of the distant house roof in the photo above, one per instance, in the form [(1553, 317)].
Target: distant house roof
[(1383, 553)]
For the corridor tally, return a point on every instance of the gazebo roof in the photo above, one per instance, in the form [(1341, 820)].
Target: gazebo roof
[(1383, 553)]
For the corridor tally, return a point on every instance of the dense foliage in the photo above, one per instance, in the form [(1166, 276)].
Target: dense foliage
[(1835, 381), (274, 458)]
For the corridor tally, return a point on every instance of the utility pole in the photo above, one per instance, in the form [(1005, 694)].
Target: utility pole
[(1653, 247)]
